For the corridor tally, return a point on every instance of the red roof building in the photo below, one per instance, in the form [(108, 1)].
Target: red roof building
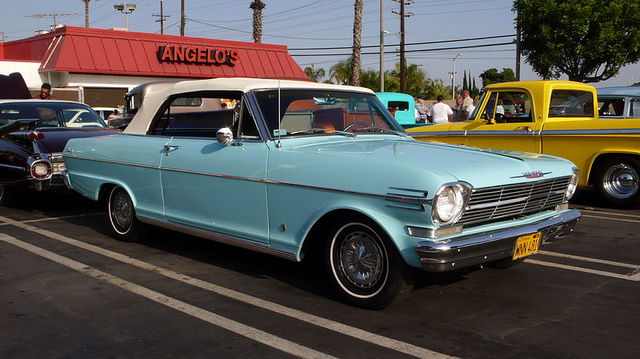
[(96, 64)]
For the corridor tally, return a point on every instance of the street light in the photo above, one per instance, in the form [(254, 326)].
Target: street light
[(453, 78), (126, 9)]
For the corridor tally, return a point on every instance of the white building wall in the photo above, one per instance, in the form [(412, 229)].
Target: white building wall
[(29, 71)]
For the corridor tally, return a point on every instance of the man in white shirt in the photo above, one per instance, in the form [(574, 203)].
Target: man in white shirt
[(440, 112)]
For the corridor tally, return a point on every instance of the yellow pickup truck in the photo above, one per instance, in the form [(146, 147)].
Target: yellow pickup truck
[(557, 118)]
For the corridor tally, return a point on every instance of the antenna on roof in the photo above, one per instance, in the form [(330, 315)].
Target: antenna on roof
[(54, 16)]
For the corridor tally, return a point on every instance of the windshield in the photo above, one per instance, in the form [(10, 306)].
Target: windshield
[(305, 112), (50, 114)]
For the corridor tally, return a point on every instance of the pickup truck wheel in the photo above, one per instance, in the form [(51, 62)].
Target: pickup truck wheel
[(364, 268), (122, 216), (617, 181)]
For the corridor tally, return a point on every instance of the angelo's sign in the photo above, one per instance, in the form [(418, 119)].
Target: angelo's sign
[(198, 55)]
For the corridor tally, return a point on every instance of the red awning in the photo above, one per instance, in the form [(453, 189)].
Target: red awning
[(111, 52)]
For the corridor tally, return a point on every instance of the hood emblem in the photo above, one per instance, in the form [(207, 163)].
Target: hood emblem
[(533, 174)]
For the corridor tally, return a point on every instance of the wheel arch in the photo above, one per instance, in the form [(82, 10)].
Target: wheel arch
[(314, 240), (595, 164)]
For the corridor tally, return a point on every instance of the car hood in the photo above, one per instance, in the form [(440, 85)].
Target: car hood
[(408, 161), (55, 139)]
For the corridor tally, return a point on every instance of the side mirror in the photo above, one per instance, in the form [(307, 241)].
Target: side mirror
[(224, 135)]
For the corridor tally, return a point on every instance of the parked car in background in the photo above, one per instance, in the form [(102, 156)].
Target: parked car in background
[(557, 118), (402, 106), (619, 102), (304, 170), (105, 112), (132, 102), (33, 134)]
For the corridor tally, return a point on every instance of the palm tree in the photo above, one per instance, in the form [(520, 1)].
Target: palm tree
[(357, 42), (341, 72), (86, 12), (257, 6), (314, 74)]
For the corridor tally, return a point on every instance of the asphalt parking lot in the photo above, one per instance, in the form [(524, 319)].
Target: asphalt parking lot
[(68, 290)]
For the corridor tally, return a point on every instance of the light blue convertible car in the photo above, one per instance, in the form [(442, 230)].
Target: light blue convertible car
[(305, 170)]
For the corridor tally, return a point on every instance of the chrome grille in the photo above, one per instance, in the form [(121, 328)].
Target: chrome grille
[(512, 201)]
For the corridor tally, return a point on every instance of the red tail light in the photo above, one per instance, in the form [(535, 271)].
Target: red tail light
[(34, 135)]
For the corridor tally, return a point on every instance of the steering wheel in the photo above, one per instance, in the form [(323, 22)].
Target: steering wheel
[(355, 123)]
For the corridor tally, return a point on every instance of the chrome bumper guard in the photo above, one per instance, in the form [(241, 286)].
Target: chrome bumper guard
[(468, 251)]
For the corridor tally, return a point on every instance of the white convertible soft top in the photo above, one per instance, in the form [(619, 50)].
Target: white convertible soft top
[(141, 121)]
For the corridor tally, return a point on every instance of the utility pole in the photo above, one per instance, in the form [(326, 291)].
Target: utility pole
[(182, 18), (403, 61), (162, 17)]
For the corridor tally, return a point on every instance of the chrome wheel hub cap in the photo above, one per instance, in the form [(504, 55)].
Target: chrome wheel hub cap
[(122, 211), (621, 181), (361, 260)]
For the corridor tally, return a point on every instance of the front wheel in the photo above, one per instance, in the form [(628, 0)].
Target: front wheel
[(122, 216), (617, 181), (364, 268)]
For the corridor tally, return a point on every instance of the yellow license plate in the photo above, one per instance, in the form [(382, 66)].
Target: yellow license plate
[(526, 245)]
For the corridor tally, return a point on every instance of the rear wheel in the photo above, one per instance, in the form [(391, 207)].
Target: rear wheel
[(122, 216), (364, 268), (8, 195), (617, 181)]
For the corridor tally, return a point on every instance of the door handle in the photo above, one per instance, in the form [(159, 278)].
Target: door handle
[(528, 130), (168, 149)]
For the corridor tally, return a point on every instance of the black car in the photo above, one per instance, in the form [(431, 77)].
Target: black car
[(33, 134)]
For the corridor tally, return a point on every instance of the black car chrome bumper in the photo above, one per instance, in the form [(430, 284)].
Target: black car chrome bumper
[(467, 251)]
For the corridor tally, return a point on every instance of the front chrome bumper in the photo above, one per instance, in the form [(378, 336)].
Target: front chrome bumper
[(472, 250)]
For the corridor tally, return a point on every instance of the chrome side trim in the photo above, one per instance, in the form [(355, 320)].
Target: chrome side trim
[(483, 248), (388, 196), (613, 131), (257, 247), (19, 168), (620, 131), (434, 133)]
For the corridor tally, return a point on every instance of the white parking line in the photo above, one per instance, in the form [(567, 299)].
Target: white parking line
[(588, 215), (593, 260), (633, 276), (222, 322), (344, 329)]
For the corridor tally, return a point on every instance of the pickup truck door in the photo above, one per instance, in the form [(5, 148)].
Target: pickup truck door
[(506, 121)]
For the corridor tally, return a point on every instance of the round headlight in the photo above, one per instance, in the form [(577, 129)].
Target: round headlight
[(449, 203), (573, 184)]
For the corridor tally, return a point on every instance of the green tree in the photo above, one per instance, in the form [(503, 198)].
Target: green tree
[(587, 40), (492, 76), (433, 88), (341, 72), (415, 79), (314, 74)]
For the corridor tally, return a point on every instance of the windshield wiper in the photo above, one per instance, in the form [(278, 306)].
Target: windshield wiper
[(382, 129), (322, 130)]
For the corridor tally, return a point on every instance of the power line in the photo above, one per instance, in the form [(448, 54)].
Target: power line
[(407, 44), (412, 51)]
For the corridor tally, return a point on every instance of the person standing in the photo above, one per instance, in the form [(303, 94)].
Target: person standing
[(45, 93), (456, 109), (440, 112), (467, 105), (422, 109)]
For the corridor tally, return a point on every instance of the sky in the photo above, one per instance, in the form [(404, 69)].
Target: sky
[(432, 31)]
